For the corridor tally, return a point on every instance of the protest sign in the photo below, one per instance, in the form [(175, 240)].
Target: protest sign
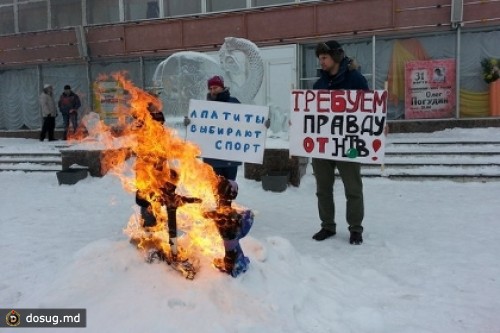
[(345, 125), (228, 131)]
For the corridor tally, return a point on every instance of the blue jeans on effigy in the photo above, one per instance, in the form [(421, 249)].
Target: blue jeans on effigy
[(235, 261)]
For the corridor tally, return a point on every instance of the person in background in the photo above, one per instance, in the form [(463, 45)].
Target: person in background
[(49, 112), (338, 72), (69, 103), (217, 92)]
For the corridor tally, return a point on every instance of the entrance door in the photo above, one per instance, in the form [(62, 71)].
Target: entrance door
[(280, 77)]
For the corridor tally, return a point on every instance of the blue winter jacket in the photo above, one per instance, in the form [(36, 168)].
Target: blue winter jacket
[(346, 78), (226, 97)]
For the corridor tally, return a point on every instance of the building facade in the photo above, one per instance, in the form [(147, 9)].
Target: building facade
[(77, 41)]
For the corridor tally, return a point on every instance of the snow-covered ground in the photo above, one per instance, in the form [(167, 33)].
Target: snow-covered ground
[(429, 262)]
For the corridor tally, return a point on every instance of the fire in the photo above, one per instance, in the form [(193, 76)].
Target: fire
[(146, 156), (78, 135)]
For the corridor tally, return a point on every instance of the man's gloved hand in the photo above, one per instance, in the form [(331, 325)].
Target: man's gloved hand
[(186, 121), (267, 123)]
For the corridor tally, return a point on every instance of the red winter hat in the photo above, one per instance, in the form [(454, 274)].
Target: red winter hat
[(216, 81)]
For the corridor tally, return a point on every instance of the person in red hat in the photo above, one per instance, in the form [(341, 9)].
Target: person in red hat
[(217, 92)]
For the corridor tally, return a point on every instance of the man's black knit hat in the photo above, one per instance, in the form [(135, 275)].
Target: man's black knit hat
[(331, 47)]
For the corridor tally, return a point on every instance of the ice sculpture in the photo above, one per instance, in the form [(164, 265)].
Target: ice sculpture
[(183, 75), (243, 68)]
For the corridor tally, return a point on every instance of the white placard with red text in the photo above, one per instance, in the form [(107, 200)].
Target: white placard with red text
[(228, 131), (344, 125)]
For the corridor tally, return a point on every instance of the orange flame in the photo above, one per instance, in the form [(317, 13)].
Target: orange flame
[(142, 152)]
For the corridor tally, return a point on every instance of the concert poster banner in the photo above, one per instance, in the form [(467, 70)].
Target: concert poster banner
[(430, 89), (109, 98), (344, 125)]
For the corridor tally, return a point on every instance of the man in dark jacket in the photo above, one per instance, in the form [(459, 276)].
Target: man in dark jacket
[(338, 72), (69, 103), (217, 92)]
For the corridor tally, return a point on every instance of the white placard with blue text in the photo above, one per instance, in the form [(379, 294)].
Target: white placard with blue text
[(228, 131), (344, 125)]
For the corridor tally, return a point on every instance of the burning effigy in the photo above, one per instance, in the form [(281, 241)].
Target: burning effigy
[(187, 212)]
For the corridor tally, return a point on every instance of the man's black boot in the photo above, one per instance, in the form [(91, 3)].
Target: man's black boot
[(323, 234), (356, 238)]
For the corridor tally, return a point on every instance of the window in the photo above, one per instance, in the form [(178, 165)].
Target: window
[(103, 11), (7, 20), (33, 16), (66, 13), (182, 7), (262, 3), (222, 5), (141, 9)]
